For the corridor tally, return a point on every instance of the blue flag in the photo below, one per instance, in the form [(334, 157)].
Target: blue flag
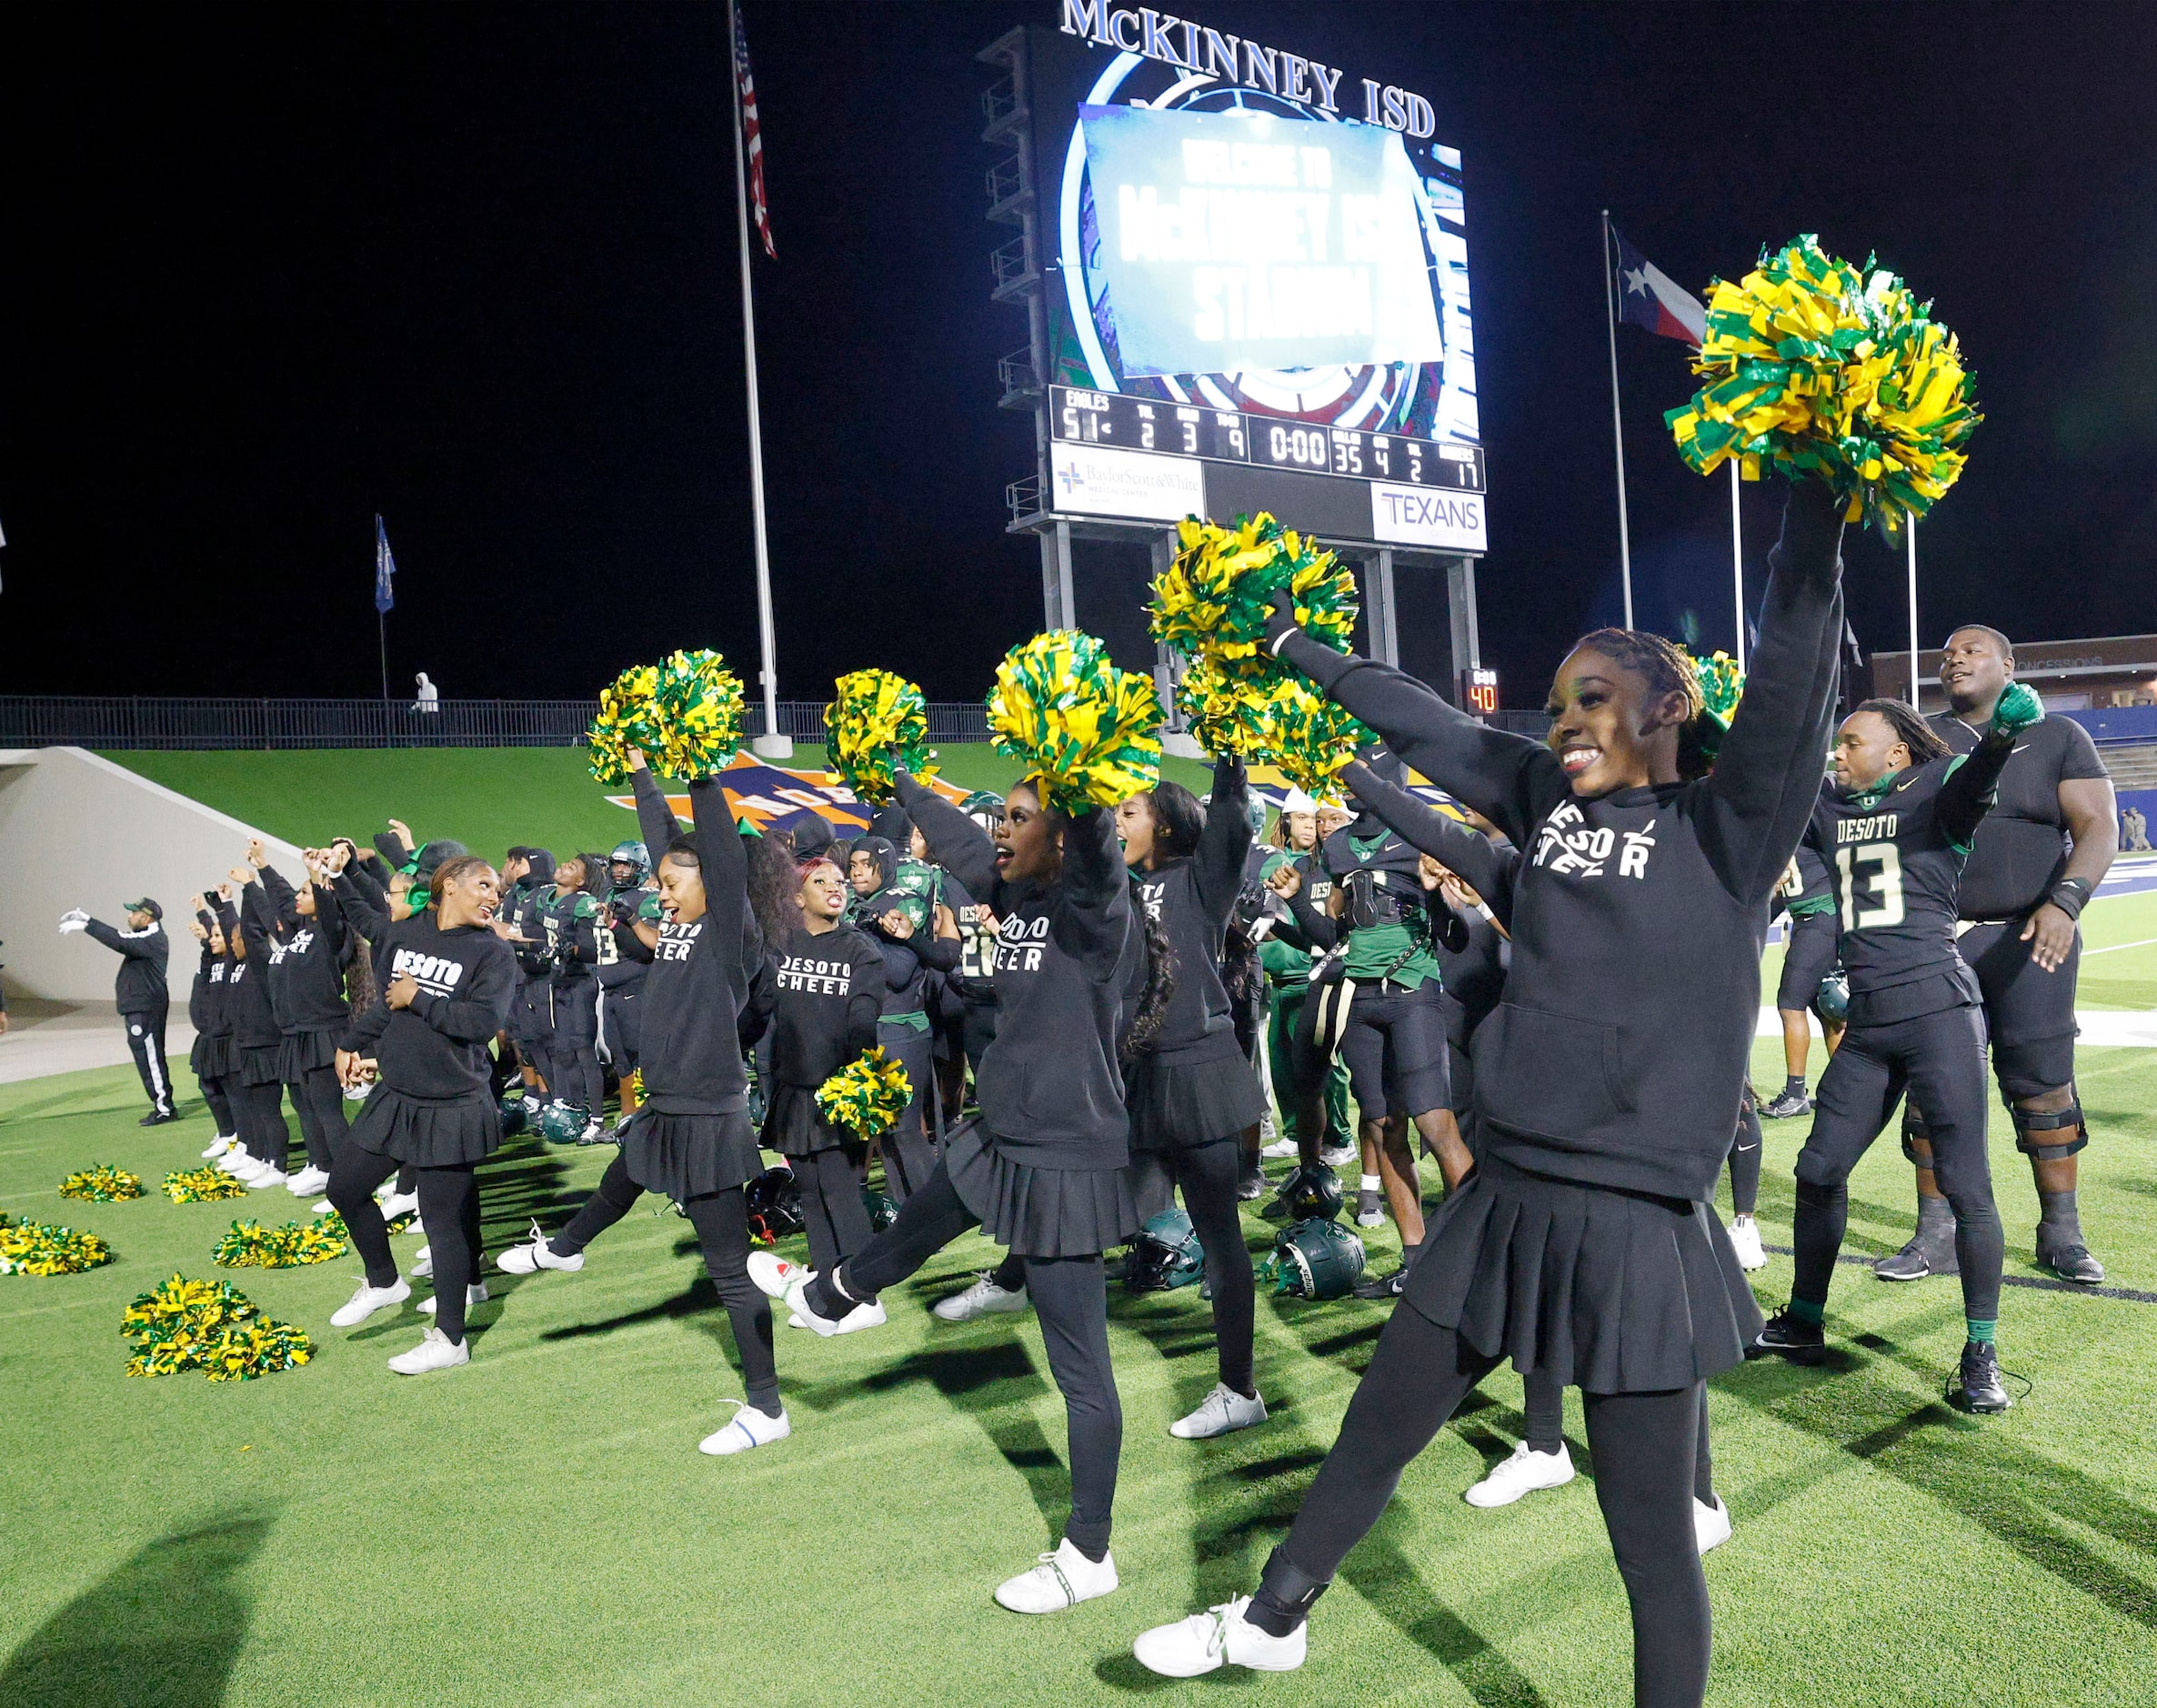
[(386, 567)]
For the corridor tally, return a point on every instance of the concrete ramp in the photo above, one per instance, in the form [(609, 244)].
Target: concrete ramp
[(79, 831)]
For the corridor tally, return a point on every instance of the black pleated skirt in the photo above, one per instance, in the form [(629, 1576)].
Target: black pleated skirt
[(259, 1064), (1034, 1212), (1175, 1106), (301, 1053), (795, 1127), (1609, 1291), (690, 1156), (210, 1056), (428, 1132)]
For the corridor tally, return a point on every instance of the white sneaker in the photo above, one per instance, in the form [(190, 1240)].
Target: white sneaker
[(1745, 1242), (1061, 1580), (264, 1178), (867, 1316), (1219, 1635), (1336, 1157), (308, 1183), (750, 1428), (788, 1283), (1526, 1471), (433, 1352), (236, 1161), (422, 1263), (223, 1142), (979, 1300), (1370, 1218), (364, 1303), (1710, 1525), (476, 1294), (794, 1320), (1219, 1412), (1278, 1148), (324, 1208), (535, 1254), (398, 1204)]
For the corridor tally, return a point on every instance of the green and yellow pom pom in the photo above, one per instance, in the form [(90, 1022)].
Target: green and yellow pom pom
[(103, 1184), (38, 1248), (250, 1245), (1083, 728), (1820, 370), (211, 1326), (684, 713), (201, 1186), (1215, 600), (868, 1095), (1311, 738), (878, 723), (1722, 684)]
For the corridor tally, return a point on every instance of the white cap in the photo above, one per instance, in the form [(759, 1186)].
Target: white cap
[(1296, 801)]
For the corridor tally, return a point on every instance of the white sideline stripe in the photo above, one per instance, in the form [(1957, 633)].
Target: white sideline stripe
[(2140, 942), (2112, 1029)]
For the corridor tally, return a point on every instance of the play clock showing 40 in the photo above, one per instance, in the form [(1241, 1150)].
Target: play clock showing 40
[(1228, 435)]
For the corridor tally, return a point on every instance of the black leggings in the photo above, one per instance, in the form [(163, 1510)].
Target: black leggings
[(1209, 1175), (1071, 1298), (1745, 1157), (260, 1109), (722, 1224), (216, 1093), (572, 1071), (1940, 1058), (319, 1102), (1545, 1410), (1644, 1447), (831, 1205), (909, 1156), (448, 1211)]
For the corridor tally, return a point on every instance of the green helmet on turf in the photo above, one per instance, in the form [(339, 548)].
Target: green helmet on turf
[(1166, 1254), (882, 1211), (561, 1125), (774, 1203), (513, 1116), (1313, 1190), (1315, 1258)]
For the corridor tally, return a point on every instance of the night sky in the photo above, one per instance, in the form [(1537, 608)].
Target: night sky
[(271, 270)]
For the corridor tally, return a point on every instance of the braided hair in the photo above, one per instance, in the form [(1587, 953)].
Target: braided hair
[(1912, 730), (1667, 669)]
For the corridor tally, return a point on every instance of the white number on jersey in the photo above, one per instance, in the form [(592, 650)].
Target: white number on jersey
[(1886, 885)]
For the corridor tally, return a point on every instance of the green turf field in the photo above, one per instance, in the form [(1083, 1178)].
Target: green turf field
[(489, 798), (538, 1529)]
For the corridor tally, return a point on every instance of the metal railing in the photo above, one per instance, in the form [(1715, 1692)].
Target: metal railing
[(136, 724)]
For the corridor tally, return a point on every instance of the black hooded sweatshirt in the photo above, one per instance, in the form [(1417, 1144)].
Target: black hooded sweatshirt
[(1639, 916), (307, 956), (205, 999), (693, 994), (140, 987), (907, 961), (436, 1048), (821, 1003), (1191, 898), (1050, 1084), (248, 1002)]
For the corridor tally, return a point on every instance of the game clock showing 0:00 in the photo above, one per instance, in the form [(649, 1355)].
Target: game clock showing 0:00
[(1228, 435)]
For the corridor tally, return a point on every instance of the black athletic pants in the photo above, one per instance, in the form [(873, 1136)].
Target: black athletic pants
[(319, 1102), (572, 1070), (146, 1042), (1745, 1159), (1209, 1175), (1940, 1060), (1545, 1410), (449, 1212), (722, 1224), (260, 1111), (215, 1093), (1644, 1448), (909, 1156), (831, 1205), (1071, 1298)]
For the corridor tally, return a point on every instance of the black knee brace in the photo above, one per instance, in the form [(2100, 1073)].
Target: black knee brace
[(2032, 1121), (1914, 1128)]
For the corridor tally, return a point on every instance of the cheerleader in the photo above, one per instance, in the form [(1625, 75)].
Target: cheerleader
[(1044, 1169), (821, 1005), (446, 992), (1190, 1090), (1605, 1088), (691, 1138), (210, 1056), (258, 1084), (1286, 956), (902, 917), (307, 956)]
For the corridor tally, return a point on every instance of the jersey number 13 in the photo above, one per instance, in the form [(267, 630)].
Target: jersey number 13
[(1886, 884)]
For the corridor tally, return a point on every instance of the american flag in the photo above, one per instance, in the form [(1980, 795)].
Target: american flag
[(752, 136)]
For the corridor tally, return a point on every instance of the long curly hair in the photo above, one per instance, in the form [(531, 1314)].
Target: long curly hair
[(1152, 1011), (775, 885)]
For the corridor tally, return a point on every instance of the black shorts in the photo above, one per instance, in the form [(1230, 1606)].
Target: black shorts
[(1809, 958), (2028, 1012), (1395, 1048), (621, 1023)]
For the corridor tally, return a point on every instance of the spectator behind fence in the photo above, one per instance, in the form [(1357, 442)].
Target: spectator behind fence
[(430, 696)]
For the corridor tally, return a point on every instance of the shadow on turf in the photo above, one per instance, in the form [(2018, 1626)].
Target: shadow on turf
[(166, 1626)]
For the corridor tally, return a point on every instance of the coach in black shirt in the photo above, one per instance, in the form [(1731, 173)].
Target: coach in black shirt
[(141, 993)]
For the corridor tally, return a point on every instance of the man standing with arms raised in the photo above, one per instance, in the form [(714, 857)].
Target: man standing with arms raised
[(2038, 857)]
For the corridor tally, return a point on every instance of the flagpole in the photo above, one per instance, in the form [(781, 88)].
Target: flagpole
[(1738, 563), (1911, 524), (771, 744), (382, 639), (1617, 426)]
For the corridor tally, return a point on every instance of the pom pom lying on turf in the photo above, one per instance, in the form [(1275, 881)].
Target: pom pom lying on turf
[(250, 1245), (38, 1248), (201, 1186), (878, 722), (210, 1326), (1083, 728), (684, 713), (868, 1095), (103, 1184), (1819, 371)]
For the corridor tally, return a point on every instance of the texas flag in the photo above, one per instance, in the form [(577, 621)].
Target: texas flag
[(1649, 297)]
